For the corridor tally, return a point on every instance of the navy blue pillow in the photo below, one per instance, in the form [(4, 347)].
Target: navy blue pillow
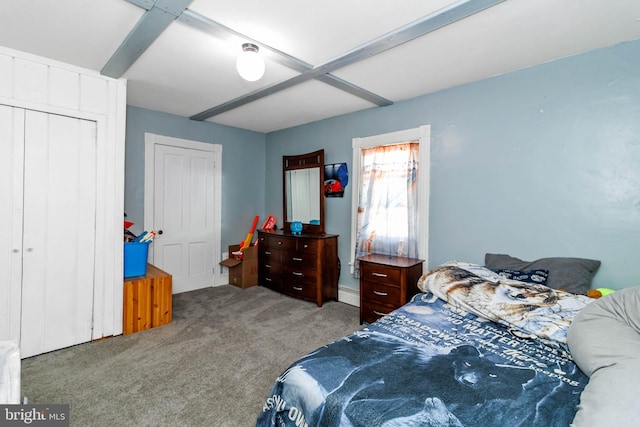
[(530, 276)]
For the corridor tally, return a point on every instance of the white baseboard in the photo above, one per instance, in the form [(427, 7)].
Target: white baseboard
[(224, 272), (349, 295)]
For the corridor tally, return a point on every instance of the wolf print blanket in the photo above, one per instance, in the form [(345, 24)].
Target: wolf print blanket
[(429, 363), (527, 308)]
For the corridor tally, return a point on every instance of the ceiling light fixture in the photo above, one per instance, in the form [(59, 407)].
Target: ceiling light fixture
[(250, 64)]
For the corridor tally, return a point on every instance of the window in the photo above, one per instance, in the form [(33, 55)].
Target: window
[(390, 195)]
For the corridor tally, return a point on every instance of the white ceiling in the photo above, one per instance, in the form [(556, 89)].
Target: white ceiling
[(190, 68)]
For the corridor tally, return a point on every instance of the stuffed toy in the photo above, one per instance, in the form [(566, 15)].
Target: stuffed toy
[(600, 292)]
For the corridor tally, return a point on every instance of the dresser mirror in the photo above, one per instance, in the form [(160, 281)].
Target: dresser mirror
[(303, 180)]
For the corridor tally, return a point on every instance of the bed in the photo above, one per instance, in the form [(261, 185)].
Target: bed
[(475, 347)]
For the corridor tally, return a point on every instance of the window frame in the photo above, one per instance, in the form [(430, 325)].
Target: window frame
[(421, 135)]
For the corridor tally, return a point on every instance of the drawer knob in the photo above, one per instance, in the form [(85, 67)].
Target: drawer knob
[(296, 259), (279, 242), (379, 274), (296, 288), (382, 294), (297, 273), (267, 265), (267, 253), (267, 279)]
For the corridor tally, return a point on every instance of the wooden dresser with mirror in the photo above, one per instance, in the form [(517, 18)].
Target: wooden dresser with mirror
[(303, 265)]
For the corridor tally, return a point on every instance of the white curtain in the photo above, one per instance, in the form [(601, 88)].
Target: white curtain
[(387, 219)]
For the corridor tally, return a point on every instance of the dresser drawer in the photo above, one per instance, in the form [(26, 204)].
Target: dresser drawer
[(267, 267), (299, 260), (381, 293), (270, 281), (372, 311), (299, 275), (307, 246), (383, 274), (278, 243), (269, 254), (299, 290)]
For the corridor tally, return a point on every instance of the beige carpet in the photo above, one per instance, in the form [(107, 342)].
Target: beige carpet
[(212, 366)]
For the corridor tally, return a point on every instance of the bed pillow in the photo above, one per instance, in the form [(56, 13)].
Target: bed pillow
[(570, 274), (604, 340), (529, 276)]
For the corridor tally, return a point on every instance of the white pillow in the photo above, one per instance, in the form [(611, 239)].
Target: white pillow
[(604, 340)]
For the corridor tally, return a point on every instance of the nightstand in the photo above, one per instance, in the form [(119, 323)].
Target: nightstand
[(386, 283)]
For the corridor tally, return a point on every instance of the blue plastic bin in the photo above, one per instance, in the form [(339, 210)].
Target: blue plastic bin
[(135, 258)]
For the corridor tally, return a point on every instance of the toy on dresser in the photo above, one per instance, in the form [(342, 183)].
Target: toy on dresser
[(296, 227)]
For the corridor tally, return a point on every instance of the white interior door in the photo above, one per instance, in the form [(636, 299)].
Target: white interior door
[(183, 212), (58, 232)]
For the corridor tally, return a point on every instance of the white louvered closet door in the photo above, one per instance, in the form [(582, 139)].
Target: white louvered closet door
[(55, 245), (11, 166)]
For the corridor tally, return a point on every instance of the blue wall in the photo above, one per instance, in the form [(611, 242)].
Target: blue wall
[(540, 162), (243, 167), (536, 163)]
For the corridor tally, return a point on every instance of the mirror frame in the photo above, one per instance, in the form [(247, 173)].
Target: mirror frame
[(304, 161)]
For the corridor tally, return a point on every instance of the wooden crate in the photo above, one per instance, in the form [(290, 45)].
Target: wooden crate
[(161, 296), (147, 301)]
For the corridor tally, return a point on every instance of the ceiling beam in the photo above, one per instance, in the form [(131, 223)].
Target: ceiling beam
[(219, 30), (432, 22), (159, 14), (145, 4)]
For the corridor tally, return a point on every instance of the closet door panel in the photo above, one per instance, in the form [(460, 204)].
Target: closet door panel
[(11, 164), (59, 230), (31, 81)]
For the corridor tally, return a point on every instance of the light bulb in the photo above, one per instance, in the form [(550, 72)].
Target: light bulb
[(250, 64)]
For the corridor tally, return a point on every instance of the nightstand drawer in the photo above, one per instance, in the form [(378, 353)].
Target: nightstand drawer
[(372, 311), (381, 293), (380, 274)]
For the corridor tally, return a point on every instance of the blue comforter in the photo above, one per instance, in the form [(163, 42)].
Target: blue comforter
[(428, 364)]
